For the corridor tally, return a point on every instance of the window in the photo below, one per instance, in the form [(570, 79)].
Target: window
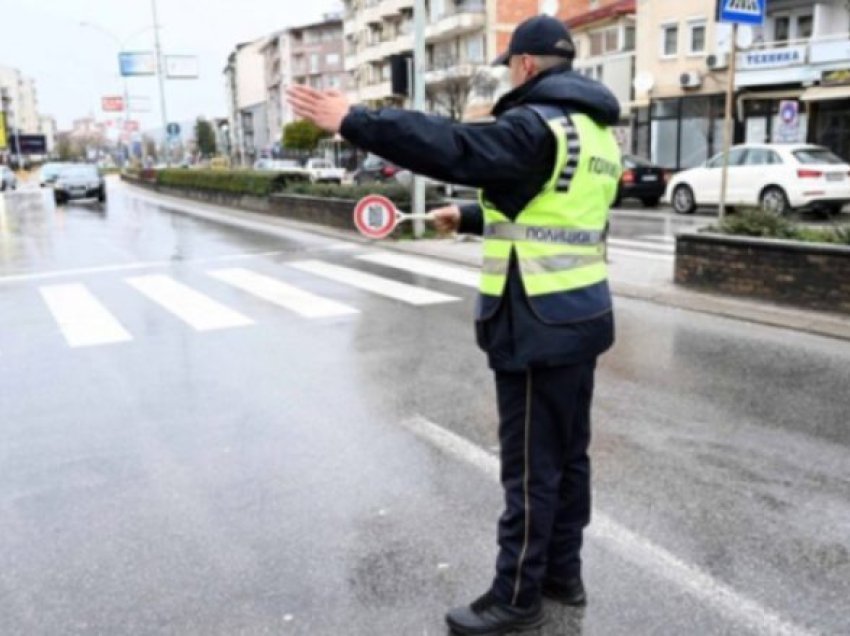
[(605, 41), (314, 62), (804, 27), (332, 59), (629, 40), (696, 45), (670, 40), (817, 155), (475, 50), (762, 157), (782, 28), (736, 158)]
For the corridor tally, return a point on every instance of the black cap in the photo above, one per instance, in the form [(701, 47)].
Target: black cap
[(540, 35)]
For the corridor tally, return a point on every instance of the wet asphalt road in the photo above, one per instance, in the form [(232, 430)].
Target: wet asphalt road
[(281, 474)]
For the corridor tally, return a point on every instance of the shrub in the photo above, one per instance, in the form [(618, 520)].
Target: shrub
[(766, 225), (399, 194), (252, 182), (757, 223)]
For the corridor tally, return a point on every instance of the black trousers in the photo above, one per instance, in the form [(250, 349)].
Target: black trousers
[(544, 433)]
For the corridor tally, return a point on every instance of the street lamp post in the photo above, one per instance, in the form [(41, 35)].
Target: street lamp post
[(121, 45), (161, 76)]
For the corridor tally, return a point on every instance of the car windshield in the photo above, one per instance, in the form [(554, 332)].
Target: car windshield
[(51, 169), (79, 172), (284, 165), (633, 161), (817, 155)]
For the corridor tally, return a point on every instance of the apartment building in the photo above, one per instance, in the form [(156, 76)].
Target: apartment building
[(22, 101), (378, 30), (245, 88), (680, 81), (277, 69)]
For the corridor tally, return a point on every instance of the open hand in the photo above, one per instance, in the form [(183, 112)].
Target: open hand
[(326, 109)]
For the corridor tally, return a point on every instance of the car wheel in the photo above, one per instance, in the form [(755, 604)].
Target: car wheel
[(651, 202), (683, 200), (59, 200), (2, 186), (774, 201), (101, 196)]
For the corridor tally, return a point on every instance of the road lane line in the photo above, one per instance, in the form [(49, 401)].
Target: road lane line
[(275, 291), (196, 309), (375, 284), (118, 267), (84, 321), (629, 545), (426, 267), (649, 246)]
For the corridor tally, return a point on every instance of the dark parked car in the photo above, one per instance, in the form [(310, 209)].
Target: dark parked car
[(641, 180), (79, 181), (376, 170)]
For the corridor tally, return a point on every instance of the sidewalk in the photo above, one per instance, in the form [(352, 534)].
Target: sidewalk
[(467, 251)]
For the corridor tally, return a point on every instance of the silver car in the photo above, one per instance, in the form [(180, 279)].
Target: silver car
[(79, 181), (8, 180)]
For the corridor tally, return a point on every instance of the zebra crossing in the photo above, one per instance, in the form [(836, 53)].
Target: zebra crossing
[(82, 316)]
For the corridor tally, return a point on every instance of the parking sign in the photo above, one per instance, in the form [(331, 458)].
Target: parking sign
[(742, 11)]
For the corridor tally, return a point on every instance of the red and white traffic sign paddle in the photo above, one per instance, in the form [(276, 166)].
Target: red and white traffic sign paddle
[(376, 217)]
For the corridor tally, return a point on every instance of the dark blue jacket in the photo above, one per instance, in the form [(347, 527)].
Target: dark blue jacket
[(510, 159)]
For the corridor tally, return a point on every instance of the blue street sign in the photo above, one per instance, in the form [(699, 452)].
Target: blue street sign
[(173, 130), (742, 11)]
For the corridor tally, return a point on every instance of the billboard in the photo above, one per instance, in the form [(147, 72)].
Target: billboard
[(131, 125), (112, 103), (181, 67), (3, 141), (30, 144), (138, 104), (137, 63)]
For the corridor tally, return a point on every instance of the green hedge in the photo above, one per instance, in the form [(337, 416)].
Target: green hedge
[(399, 194), (766, 225), (252, 182)]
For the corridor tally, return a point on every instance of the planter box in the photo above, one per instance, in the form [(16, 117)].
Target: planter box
[(810, 275)]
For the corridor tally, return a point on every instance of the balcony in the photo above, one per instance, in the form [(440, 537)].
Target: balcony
[(465, 17), (440, 74), (375, 92)]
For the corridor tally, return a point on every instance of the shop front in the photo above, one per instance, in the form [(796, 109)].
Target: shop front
[(680, 132)]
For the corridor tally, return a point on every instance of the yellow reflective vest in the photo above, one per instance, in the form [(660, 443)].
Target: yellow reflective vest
[(559, 237)]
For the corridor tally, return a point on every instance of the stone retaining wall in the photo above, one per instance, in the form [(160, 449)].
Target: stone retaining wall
[(811, 275)]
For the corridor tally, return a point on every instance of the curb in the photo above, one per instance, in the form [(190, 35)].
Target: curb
[(816, 323)]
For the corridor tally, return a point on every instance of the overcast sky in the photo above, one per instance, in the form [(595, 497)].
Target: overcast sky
[(74, 66)]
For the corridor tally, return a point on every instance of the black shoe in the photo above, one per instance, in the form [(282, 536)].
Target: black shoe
[(488, 617), (569, 593)]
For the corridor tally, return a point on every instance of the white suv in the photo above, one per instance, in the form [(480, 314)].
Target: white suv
[(776, 177)]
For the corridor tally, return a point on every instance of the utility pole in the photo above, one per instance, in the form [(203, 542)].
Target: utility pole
[(161, 76), (728, 128), (418, 104)]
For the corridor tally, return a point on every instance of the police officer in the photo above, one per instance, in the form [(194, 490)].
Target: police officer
[(547, 169)]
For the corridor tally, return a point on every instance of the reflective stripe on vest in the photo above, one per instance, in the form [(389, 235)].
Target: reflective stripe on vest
[(538, 234), (559, 237)]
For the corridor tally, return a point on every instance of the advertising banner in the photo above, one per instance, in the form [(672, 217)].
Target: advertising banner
[(3, 142), (112, 103), (134, 63)]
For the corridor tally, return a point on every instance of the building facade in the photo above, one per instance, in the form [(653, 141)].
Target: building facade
[(22, 101), (680, 82), (245, 89), (799, 60)]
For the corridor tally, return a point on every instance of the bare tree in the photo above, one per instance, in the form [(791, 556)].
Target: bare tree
[(450, 93)]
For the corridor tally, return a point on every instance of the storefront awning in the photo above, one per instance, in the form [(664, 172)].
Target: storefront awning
[(823, 93)]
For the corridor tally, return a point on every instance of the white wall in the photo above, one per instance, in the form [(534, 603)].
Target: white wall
[(250, 75)]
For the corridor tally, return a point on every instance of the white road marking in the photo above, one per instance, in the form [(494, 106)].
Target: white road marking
[(281, 294), (197, 310), (426, 267), (84, 321), (644, 245), (615, 252), (630, 545), (118, 267), (375, 284)]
